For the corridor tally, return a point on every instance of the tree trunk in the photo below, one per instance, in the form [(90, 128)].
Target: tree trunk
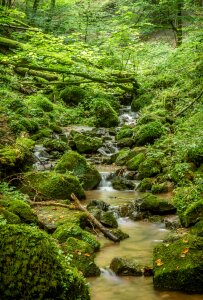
[(179, 24), (105, 231)]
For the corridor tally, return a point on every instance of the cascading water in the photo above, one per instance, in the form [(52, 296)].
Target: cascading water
[(105, 183)]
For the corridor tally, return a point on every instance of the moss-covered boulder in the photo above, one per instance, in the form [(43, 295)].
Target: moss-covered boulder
[(37, 269), (72, 95), (99, 204), (133, 163), (141, 101), (189, 203), (55, 145), (9, 216), (145, 185), (122, 156), (179, 265), (149, 167), (148, 133), (82, 256), (105, 115), (85, 143), (124, 132), (67, 230), (18, 210), (198, 228), (16, 156), (126, 142), (154, 205), (108, 219), (77, 164), (51, 185), (126, 267), (119, 234)]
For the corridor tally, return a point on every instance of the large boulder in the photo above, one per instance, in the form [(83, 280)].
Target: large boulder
[(148, 133), (85, 143), (133, 163), (51, 185), (105, 115), (154, 205), (32, 267), (179, 265), (121, 183), (77, 164)]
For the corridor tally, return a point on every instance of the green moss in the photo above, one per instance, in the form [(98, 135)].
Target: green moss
[(145, 185), (141, 101), (122, 157), (149, 168), (125, 132), (178, 265), (55, 145), (86, 144), (82, 256), (51, 185), (23, 210), (77, 164), (18, 153), (37, 269), (155, 205), (198, 228), (182, 173), (40, 101), (159, 188), (148, 133), (121, 183), (67, 230), (133, 163), (188, 201), (105, 115), (126, 267), (9, 216), (72, 95)]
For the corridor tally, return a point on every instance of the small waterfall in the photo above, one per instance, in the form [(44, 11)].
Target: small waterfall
[(110, 275), (42, 158), (105, 183), (127, 116)]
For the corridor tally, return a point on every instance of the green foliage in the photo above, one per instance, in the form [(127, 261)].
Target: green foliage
[(124, 133), (148, 133), (133, 163), (72, 95), (37, 269), (105, 115)]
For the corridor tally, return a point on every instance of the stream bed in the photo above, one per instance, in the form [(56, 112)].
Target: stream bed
[(144, 236)]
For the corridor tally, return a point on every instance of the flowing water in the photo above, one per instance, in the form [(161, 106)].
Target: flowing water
[(143, 237)]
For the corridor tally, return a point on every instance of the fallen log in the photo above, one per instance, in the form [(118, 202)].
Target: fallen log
[(23, 71), (104, 230), (51, 203), (8, 43)]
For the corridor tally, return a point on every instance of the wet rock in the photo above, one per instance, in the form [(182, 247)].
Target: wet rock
[(108, 219), (98, 204), (126, 142), (121, 183), (145, 185), (126, 267), (148, 271), (178, 265), (119, 234), (172, 222)]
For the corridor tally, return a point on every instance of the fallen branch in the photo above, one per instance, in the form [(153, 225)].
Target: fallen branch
[(24, 71), (105, 231), (189, 105), (51, 203)]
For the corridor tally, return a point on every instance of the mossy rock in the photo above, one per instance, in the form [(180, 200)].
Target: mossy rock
[(145, 185), (126, 267), (22, 210), (126, 142), (178, 265), (154, 205), (198, 228), (182, 173), (51, 185), (99, 204), (67, 230), (119, 234), (149, 168), (121, 183), (72, 95), (124, 132), (122, 156), (17, 154), (82, 256), (77, 164), (148, 133), (108, 219), (189, 203), (9, 216), (55, 145), (105, 115), (37, 269), (195, 153), (159, 188), (84, 143), (133, 163)]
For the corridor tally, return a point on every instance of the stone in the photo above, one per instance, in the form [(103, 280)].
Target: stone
[(126, 267)]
